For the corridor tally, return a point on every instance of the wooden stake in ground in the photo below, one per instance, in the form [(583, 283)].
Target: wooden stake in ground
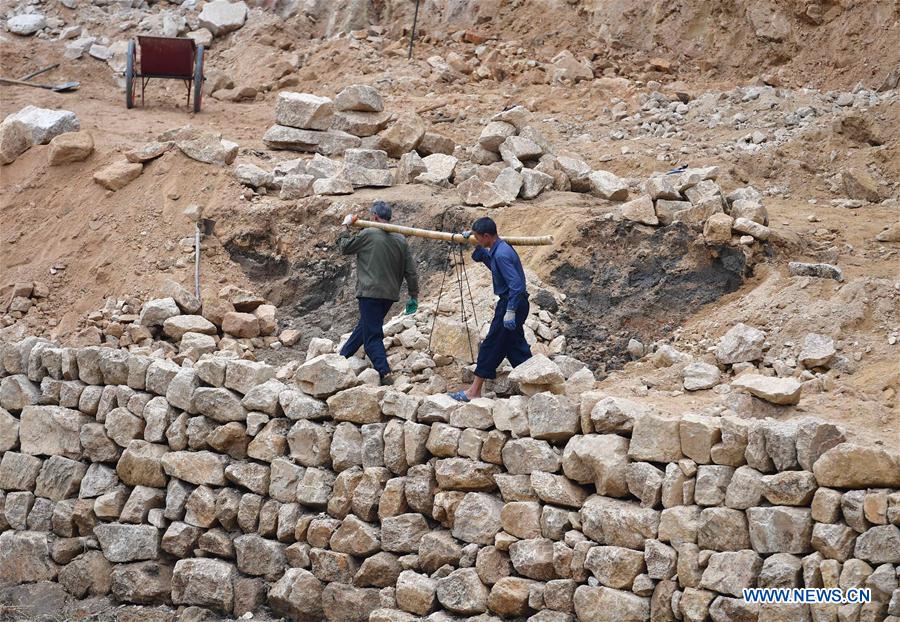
[(446, 236)]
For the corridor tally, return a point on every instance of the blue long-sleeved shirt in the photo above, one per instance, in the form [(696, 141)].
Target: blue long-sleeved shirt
[(506, 271)]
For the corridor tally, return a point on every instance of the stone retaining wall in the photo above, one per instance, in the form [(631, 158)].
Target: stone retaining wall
[(222, 486)]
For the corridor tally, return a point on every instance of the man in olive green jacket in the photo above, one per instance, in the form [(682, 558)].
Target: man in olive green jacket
[(383, 261)]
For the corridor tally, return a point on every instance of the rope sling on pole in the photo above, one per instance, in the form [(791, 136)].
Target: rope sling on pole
[(446, 236), (459, 269)]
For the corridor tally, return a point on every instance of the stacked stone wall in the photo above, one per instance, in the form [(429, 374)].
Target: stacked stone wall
[(221, 485)]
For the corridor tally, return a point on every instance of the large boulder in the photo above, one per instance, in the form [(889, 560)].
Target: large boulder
[(196, 467), (601, 604), (741, 344), (404, 135), (304, 111), (15, 139), (600, 459), (858, 466), (477, 518), (781, 391), (205, 583), (70, 147), (325, 375), (462, 592), (44, 124), (126, 543), (26, 24), (50, 431), (329, 142), (607, 186), (298, 595), (618, 523), (25, 558), (221, 16), (208, 147), (359, 97)]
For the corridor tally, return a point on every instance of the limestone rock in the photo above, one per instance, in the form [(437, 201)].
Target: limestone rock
[(221, 16), (26, 24), (780, 529), (304, 111), (126, 543), (50, 431), (477, 518), (404, 135), (740, 344), (782, 391), (329, 142), (731, 572), (15, 139), (698, 376), (858, 466), (607, 186), (817, 351), (462, 592), (204, 582), (618, 523), (598, 459), (208, 147), (25, 557), (70, 147), (298, 594), (817, 270), (359, 97), (196, 467), (118, 175), (45, 124), (595, 604), (325, 375), (640, 210)]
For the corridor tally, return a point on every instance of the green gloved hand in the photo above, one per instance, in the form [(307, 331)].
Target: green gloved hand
[(412, 305)]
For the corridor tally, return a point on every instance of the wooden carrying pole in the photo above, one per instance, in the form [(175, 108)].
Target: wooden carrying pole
[(544, 240)]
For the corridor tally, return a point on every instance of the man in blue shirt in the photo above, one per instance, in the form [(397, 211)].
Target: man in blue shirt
[(506, 337)]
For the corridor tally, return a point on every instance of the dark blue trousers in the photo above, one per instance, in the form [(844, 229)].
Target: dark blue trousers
[(501, 343), (369, 333)]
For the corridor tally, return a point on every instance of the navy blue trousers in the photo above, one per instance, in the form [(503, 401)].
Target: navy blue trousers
[(501, 343), (369, 333)]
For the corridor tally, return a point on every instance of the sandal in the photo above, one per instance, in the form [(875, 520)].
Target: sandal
[(459, 396)]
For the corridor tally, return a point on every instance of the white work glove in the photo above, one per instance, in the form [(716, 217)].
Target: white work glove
[(509, 319), (349, 219)]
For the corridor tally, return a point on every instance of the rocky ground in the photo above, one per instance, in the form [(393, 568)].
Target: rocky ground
[(781, 234)]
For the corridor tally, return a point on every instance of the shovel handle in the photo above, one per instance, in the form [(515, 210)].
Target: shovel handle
[(22, 83)]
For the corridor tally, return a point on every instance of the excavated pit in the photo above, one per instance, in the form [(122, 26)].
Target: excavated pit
[(639, 283), (628, 281)]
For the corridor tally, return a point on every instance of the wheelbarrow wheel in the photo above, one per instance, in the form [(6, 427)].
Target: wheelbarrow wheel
[(198, 78), (129, 76)]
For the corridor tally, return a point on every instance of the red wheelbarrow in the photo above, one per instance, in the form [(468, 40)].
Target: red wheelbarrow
[(168, 58)]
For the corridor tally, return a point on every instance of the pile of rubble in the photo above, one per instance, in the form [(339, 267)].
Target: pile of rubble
[(511, 159), (22, 297), (215, 19), (164, 479)]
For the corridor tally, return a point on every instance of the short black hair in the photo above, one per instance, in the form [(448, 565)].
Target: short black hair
[(382, 209), (484, 226)]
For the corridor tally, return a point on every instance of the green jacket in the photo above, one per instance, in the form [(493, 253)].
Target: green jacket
[(383, 260)]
